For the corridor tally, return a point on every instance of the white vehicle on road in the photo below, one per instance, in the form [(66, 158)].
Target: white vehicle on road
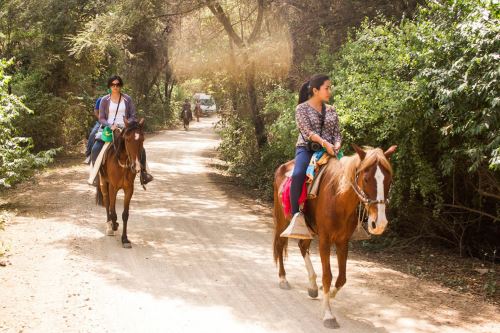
[(207, 103)]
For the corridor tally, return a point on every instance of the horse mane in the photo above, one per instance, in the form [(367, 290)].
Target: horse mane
[(342, 173)]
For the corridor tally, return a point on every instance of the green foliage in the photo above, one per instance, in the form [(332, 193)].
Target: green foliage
[(239, 147), (429, 84), (16, 159)]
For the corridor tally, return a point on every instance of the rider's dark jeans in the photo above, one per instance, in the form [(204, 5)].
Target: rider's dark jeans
[(90, 142), (96, 149), (302, 159)]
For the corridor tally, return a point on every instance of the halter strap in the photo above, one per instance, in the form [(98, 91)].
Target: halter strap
[(363, 197)]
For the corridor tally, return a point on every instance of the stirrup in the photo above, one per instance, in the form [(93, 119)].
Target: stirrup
[(297, 228)]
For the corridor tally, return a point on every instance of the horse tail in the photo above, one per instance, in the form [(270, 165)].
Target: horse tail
[(99, 199), (280, 244)]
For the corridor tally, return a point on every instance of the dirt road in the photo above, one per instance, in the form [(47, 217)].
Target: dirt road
[(201, 262)]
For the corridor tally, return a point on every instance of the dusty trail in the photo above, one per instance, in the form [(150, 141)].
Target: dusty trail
[(201, 262)]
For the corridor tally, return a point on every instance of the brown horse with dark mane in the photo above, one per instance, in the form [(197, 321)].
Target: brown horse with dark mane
[(118, 172), (363, 177)]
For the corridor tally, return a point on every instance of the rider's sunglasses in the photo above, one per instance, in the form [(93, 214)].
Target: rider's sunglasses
[(115, 85)]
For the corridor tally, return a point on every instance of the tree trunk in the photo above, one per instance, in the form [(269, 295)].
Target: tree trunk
[(260, 131)]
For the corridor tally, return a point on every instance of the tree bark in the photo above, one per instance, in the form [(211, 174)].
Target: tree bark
[(258, 122)]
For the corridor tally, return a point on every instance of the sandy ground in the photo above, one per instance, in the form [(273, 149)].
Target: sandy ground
[(201, 262)]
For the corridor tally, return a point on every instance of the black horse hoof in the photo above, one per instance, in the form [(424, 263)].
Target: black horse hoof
[(115, 226), (313, 293), (331, 323)]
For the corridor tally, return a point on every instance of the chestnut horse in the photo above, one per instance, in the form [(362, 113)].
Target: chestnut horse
[(118, 172), (363, 177)]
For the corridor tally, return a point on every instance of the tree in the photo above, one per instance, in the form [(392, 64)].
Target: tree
[(244, 44)]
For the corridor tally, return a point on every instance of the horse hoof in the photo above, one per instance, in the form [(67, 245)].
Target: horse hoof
[(331, 323), (115, 226), (109, 230), (285, 285), (127, 245), (313, 293)]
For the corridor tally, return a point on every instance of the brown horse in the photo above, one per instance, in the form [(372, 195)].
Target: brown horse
[(363, 177), (118, 172)]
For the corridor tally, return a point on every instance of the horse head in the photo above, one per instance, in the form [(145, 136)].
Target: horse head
[(133, 139), (372, 183)]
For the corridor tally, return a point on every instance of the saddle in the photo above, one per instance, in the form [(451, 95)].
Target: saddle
[(309, 192)]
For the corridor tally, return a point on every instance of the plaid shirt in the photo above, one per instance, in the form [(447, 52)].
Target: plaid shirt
[(309, 123)]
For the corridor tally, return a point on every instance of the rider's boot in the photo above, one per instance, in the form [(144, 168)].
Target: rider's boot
[(145, 177)]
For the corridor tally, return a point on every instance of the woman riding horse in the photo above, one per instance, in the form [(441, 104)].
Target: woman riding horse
[(317, 122), (363, 178), (113, 110)]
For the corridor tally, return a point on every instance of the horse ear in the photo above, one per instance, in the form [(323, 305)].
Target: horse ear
[(125, 120), (141, 122), (390, 151), (360, 151)]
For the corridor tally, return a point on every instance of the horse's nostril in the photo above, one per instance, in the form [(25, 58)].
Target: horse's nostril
[(374, 225)]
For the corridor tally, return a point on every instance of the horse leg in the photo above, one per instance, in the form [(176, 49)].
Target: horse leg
[(112, 207), (304, 245), (342, 249), (105, 198), (280, 245), (126, 204), (329, 319)]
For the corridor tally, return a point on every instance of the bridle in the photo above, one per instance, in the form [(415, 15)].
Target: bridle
[(364, 201), (363, 197), (128, 162)]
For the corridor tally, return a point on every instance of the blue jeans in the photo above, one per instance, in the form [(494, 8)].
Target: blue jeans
[(96, 149), (90, 142), (302, 159)]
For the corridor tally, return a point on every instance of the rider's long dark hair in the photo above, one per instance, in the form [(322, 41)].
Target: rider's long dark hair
[(316, 81), (115, 77)]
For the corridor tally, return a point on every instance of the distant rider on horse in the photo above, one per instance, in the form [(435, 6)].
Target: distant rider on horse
[(186, 114)]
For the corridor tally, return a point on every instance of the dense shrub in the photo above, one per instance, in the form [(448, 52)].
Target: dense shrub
[(429, 84), (16, 158)]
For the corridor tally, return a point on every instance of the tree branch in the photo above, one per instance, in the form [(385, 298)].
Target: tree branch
[(219, 13), (486, 194), (258, 23), (495, 218), (181, 12)]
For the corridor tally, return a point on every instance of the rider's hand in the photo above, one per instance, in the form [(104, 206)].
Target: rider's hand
[(113, 127), (329, 149), (336, 147)]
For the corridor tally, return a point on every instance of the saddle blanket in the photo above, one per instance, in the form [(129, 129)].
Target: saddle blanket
[(94, 168)]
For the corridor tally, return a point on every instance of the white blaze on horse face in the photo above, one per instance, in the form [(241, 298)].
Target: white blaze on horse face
[(137, 136), (137, 164), (381, 218)]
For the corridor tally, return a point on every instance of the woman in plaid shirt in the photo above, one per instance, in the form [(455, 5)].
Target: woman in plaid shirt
[(310, 114)]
